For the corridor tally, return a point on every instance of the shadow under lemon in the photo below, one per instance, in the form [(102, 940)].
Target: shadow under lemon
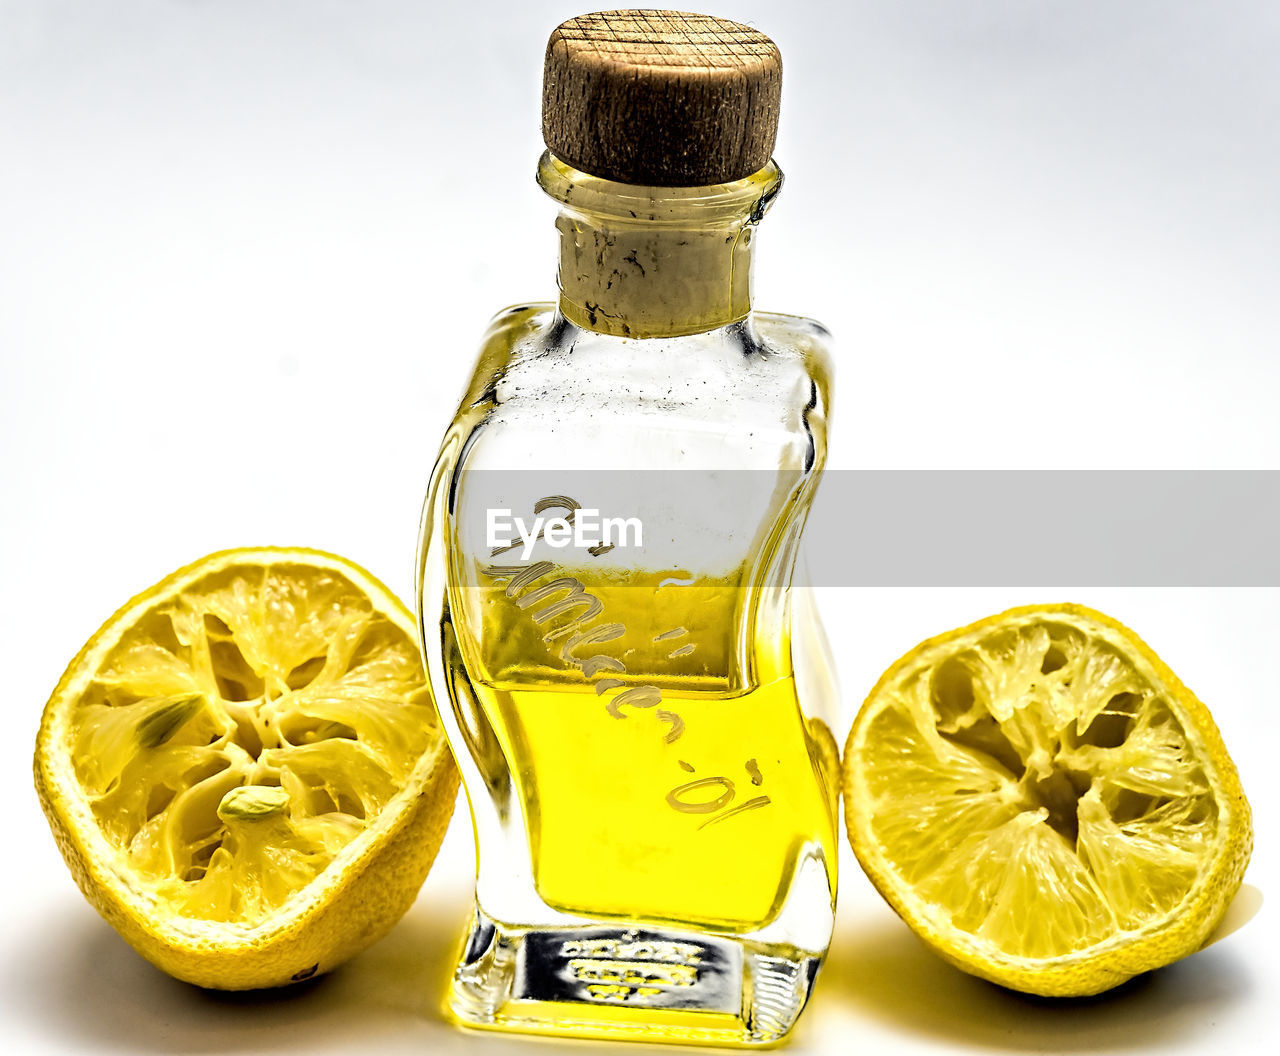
[(87, 986), (881, 970)]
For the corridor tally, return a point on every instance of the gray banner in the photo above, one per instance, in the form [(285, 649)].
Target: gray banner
[(1182, 528)]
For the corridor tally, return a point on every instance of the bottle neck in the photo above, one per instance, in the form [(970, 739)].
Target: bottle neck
[(648, 262)]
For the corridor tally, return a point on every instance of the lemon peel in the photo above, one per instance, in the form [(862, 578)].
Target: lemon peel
[(1045, 803), (244, 769)]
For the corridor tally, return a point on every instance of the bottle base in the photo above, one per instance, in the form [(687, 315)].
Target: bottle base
[(642, 983)]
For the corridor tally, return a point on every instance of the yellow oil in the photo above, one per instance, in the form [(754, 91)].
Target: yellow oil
[(667, 773)]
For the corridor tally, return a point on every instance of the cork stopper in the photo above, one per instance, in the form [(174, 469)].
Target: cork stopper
[(661, 98)]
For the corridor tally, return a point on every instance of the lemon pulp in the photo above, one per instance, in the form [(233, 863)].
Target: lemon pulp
[(243, 732)]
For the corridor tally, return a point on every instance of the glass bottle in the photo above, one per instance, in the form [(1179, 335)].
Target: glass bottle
[(638, 709)]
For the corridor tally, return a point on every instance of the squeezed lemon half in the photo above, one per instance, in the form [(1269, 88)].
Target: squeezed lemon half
[(244, 767), (1043, 801)]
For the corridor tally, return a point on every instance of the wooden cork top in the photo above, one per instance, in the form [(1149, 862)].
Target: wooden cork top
[(662, 98)]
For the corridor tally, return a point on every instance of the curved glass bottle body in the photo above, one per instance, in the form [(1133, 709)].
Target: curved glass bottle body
[(639, 718)]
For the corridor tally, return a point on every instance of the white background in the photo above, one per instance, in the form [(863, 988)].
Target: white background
[(246, 251)]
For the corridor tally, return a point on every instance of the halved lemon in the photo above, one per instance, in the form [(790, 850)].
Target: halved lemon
[(244, 768), (1043, 801)]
